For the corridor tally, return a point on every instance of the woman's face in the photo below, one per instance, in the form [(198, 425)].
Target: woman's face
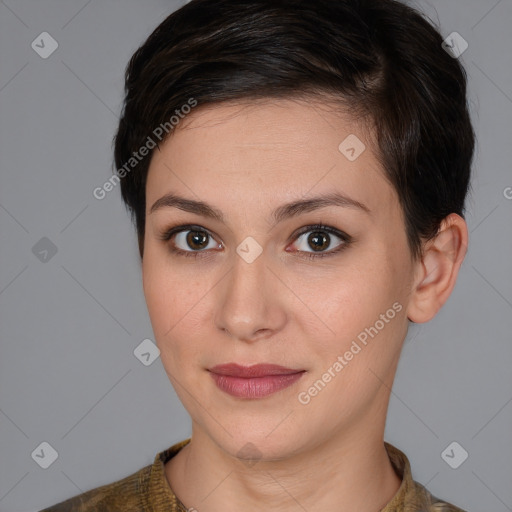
[(262, 285)]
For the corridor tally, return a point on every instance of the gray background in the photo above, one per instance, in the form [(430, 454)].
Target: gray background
[(69, 326)]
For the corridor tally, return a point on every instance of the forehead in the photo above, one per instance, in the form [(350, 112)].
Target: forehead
[(286, 149), (292, 123)]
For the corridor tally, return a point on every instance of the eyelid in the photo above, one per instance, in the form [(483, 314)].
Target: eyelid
[(321, 227), (167, 234), (345, 238)]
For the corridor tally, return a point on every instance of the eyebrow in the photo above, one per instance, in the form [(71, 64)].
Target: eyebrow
[(281, 213)]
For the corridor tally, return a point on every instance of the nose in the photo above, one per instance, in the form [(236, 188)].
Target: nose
[(250, 303)]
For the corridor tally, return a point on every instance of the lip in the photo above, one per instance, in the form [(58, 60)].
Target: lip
[(256, 381), (256, 370)]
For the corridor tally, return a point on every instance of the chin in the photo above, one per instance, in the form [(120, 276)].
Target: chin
[(257, 441)]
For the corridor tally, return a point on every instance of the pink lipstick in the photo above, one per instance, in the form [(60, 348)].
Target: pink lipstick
[(257, 381)]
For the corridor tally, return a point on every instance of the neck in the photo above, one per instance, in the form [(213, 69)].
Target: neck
[(350, 471)]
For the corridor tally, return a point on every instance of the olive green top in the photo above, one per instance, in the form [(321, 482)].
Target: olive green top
[(147, 490)]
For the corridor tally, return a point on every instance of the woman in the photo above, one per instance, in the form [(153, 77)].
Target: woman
[(297, 173)]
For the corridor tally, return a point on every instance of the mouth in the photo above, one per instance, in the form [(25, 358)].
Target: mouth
[(251, 382)]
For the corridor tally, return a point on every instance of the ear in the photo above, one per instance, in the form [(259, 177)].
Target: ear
[(437, 270)]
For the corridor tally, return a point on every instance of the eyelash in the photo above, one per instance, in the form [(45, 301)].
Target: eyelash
[(346, 240)]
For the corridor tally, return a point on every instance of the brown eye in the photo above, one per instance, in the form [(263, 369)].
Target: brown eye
[(319, 240), (196, 239), (189, 240)]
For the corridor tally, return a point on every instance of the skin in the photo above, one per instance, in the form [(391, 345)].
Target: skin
[(284, 308)]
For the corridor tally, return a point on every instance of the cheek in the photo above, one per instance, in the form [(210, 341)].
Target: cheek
[(157, 285), (352, 294), (175, 300), (362, 303), (363, 347), (162, 291)]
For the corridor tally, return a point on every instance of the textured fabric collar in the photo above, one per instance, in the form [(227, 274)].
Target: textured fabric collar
[(402, 468), (160, 496)]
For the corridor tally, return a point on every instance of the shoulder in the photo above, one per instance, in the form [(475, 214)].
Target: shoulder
[(424, 500), (145, 490), (412, 496), (124, 495)]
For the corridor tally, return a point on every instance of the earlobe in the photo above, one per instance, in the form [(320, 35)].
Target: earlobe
[(438, 268)]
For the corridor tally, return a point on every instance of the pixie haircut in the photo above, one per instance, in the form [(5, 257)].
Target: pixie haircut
[(380, 60)]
